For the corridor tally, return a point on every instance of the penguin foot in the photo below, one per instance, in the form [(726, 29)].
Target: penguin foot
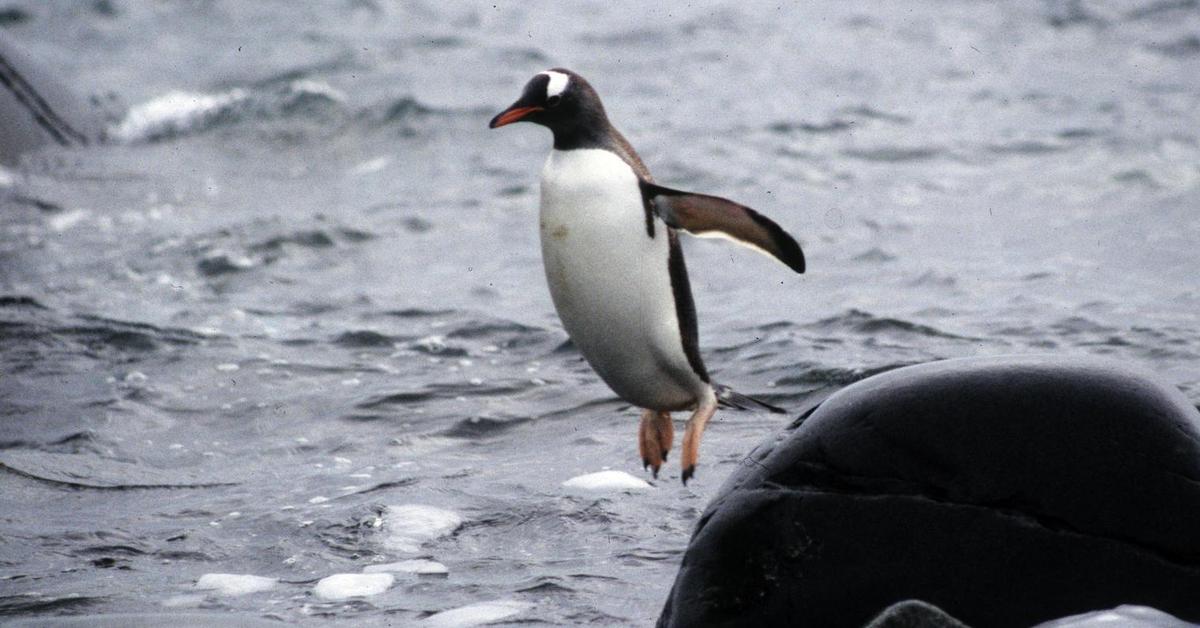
[(655, 435), (692, 435)]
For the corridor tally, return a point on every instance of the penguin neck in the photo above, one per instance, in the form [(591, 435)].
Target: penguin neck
[(593, 131), (603, 135)]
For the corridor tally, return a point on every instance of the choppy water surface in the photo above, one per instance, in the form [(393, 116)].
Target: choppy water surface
[(300, 291)]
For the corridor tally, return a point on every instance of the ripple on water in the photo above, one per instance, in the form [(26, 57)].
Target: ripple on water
[(874, 255), (365, 339), (860, 322), (895, 154), (449, 391), (480, 427), (36, 603), (92, 471), (813, 374), (834, 125)]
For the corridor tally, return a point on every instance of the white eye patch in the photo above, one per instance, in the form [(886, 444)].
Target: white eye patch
[(557, 84)]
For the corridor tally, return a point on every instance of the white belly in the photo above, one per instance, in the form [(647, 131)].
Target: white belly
[(609, 280)]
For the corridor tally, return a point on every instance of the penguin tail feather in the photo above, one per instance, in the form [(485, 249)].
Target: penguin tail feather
[(730, 398)]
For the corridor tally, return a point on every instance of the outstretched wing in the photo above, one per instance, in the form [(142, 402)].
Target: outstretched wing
[(711, 216)]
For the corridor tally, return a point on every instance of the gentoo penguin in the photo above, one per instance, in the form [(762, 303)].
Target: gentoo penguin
[(615, 267)]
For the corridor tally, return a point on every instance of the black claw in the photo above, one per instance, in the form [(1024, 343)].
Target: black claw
[(688, 473), (656, 473)]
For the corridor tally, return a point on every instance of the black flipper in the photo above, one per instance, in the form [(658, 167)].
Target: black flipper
[(709, 216)]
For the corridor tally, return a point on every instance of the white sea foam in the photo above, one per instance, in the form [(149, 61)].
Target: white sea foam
[(343, 586), (477, 614), (179, 112), (410, 525), (175, 112), (419, 566), (309, 87), (235, 584), (61, 222), (606, 481)]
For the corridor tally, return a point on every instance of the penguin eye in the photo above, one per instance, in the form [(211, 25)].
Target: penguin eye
[(553, 101)]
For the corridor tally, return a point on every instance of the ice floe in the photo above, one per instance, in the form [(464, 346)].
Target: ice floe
[(419, 566), (476, 614), (235, 584), (606, 481), (410, 525), (343, 586)]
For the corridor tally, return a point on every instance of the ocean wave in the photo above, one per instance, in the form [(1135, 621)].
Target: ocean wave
[(875, 255), (216, 262), (858, 321), (838, 376), (481, 427), (835, 125), (20, 605), (26, 320), (364, 339), (181, 113), (894, 154), (439, 390)]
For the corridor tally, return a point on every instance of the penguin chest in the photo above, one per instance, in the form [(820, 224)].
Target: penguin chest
[(610, 280)]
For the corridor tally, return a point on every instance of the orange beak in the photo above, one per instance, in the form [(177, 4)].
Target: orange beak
[(511, 115)]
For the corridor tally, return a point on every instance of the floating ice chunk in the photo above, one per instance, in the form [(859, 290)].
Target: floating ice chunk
[(234, 584), (1125, 616), (343, 586), (189, 600), (476, 614), (410, 525), (371, 165), (606, 481), (419, 566)]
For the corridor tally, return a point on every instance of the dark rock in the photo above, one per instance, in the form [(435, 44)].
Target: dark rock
[(914, 614), (1006, 491)]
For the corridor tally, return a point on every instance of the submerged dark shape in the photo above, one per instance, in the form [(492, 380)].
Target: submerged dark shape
[(1005, 491), (36, 109)]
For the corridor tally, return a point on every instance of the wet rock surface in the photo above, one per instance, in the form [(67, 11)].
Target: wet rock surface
[(1005, 491)]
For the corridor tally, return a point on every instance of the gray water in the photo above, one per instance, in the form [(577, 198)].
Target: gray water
[(301, 282)]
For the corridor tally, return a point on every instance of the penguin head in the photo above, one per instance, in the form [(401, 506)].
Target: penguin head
[(559, 100)]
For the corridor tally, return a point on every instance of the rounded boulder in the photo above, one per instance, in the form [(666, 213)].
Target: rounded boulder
[(1005, 491)]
